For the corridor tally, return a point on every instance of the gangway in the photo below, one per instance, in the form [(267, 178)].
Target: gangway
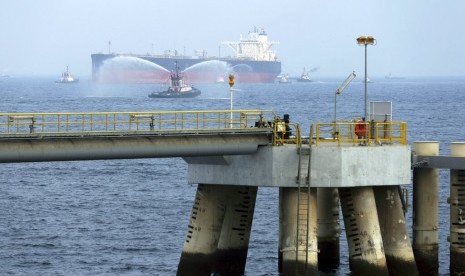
[(33, 137)]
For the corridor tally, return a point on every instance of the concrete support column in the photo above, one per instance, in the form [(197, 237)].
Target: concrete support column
[(204, 229), (297, 248), (396, 242), (425, 211), (328, 228), (231, 253), (366, 252), (457, 214)]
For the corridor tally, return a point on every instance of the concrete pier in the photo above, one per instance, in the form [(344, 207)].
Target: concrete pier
[(366, 252), (328, 167), (297, 246), (231, 253), (219, 230), (230, 161), (204, 230), (328, 228), (457, 214), (425, 211), (396, 242)]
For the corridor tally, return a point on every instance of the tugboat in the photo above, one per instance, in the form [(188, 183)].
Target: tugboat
[(178, 88), (66, 77), (305, 77), (284, 78), (368, 80)]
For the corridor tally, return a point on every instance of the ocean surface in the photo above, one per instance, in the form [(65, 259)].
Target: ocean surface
[(129, 217)]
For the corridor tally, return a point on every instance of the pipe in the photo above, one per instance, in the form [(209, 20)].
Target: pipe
[(66, 149)]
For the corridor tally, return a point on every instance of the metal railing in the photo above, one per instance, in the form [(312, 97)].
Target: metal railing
[(389, 132), (152, 121), (365, 133)]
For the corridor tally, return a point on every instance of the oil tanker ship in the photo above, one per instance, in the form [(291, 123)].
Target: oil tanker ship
[(254, 62)]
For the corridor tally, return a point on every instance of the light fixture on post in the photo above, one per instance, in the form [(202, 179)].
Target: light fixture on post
[(339, 91), (365, 41)]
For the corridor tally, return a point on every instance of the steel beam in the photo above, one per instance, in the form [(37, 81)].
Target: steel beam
[(438, 162)]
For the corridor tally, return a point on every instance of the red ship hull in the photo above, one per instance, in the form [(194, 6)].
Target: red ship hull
[(112, 68)]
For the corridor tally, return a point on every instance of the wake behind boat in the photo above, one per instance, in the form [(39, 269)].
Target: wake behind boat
[(178, 88), (66, 77), (392, 77)]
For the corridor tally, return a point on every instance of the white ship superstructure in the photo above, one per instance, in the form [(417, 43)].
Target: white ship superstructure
[(255, 47)]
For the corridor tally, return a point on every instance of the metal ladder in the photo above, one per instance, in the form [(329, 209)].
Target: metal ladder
[(303, 207)]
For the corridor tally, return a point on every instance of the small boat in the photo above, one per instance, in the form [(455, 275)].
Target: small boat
[(66, 77), (177, 88), (368, 80), (305, 77), (284, 79), (392, 77)]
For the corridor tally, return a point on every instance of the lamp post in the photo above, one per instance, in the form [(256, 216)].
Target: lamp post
[(365, 41), (231, 84)]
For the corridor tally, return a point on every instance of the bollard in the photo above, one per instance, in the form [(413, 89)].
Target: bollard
[(396, 242), (457, 213), (204, 229), (366, 253), (231, 254), (328, 229), (425, 211), (303, 258)]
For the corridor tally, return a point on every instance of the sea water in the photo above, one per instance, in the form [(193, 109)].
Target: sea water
[(129, 217)]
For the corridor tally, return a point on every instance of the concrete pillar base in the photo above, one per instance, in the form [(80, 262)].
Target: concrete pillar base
[(231, 254), (425, 212), (457, 214), (426, 258), (396, 242), (204, 229), (328, 229), (457, 263), (296, 257), (366, 252)]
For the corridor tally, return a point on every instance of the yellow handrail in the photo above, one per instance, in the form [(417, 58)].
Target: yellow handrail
[(376, 132), (93, 122)]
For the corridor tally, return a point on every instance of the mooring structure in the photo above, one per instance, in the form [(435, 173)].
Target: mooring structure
[(349, 166)]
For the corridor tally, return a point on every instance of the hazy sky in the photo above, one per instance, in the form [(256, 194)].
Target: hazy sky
[(415, 38)]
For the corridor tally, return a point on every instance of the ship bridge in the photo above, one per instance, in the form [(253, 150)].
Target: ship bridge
[(255, 47)]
